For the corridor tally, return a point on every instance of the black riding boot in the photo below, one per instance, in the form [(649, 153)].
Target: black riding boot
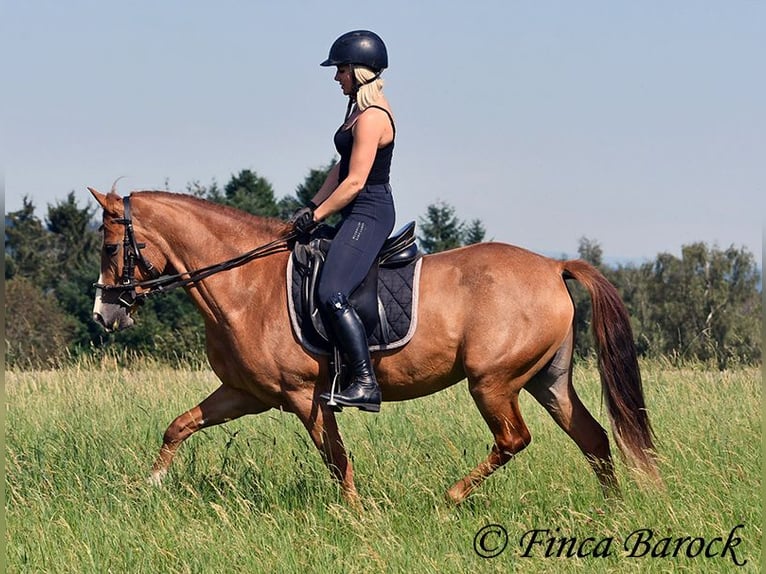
[(347, 327)]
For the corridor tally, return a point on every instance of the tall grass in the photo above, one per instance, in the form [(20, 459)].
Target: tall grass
[(254, 496)]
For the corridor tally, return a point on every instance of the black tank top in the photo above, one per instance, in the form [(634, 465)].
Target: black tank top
[(381, 165)]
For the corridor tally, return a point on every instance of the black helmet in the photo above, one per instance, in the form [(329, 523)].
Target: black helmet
[(360, 47)]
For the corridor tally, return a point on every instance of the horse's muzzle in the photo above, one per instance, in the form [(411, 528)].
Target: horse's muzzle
[(112, 317)]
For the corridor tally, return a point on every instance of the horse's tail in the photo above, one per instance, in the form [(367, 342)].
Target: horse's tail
[(618, 367)]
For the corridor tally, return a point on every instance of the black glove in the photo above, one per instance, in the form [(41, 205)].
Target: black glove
[(303, 219)]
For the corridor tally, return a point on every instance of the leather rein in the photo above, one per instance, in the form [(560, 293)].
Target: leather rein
[(132, 257)]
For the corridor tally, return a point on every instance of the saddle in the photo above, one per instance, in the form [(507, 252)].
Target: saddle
[(386, 301)]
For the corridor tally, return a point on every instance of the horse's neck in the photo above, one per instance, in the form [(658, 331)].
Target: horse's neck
[(198, 236)]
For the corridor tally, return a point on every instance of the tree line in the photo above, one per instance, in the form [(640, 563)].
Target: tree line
[(702, 306)]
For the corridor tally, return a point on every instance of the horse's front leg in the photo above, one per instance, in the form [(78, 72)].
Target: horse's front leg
[(224, 404), (320, 422)]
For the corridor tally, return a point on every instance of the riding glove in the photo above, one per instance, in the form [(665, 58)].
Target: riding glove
[(303, 220)]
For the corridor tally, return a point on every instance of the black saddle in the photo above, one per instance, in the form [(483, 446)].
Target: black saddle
[(387, 289)]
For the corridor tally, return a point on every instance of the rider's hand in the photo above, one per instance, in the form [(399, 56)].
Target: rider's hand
[(303, 219)]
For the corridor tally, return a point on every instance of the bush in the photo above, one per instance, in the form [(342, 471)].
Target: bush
[(37, 330)]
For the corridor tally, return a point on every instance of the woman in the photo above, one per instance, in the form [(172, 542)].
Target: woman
[(357, 187)]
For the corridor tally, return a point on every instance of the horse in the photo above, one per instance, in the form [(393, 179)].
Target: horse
[(496, 315)]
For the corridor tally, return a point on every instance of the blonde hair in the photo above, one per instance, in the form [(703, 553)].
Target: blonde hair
[(368, 93)]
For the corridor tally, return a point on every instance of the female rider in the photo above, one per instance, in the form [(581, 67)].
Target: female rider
[(357, 187)]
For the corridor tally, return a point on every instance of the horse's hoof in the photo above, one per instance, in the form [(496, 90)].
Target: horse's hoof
[(455, 495), (156, 477)]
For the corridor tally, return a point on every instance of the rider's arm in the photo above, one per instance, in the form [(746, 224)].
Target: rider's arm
[(329, 185)]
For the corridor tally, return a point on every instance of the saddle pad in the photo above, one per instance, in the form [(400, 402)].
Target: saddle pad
[(397, 294)]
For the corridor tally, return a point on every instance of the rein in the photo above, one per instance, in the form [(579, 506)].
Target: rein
[(132, 256)]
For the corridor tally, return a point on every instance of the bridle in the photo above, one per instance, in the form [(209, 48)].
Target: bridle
[(131, 255), (128, 296)]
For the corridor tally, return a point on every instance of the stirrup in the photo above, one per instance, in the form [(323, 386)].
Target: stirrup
[(330, 400)]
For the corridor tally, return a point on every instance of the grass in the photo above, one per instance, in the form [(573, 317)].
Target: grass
[(254, 496)]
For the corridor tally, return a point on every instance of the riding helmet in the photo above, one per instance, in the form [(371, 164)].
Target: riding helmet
[(360, 47)]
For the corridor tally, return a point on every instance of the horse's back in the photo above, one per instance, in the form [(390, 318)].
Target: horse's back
[(498, 269)]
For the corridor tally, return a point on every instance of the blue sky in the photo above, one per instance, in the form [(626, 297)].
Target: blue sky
[(641, 125)]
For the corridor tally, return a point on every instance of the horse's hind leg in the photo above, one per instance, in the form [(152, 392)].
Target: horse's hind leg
[(224, 404), (552, 388), (500, 409)]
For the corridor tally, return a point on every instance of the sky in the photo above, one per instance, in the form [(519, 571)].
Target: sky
[(638, 125)]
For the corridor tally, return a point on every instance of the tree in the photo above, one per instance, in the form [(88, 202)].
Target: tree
[(209, 193), (305, 192), (27, 250), (37, 330), (312, 183), (75, 242), (704, 302), (440, 229), (44, 287), (72, 227), (590, 250), (474, 232), (252, 193)]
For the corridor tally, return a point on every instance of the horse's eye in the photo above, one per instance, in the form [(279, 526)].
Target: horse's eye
[(111, 249)]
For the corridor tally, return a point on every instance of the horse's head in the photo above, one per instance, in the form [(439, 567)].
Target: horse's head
[(125, 262)]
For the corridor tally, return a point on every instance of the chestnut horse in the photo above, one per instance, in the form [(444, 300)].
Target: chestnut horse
[(494, 314)]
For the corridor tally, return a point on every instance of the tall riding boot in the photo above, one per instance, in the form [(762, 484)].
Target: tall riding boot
[(347, 327)]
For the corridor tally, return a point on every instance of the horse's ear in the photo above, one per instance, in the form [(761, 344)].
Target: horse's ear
[(100, 197)]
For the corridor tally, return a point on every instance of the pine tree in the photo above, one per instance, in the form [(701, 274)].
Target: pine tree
[(27, 248), (474, 232), (252, 193), (440, 229)]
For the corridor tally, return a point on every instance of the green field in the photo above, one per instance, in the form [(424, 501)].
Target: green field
[(254, 496)]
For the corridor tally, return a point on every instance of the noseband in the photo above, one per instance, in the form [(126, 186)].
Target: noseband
[(132, 256)]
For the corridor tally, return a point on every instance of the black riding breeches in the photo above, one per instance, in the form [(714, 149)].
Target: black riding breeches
[(367, 222)]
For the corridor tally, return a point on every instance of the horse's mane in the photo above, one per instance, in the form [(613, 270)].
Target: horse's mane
[(270, 223)]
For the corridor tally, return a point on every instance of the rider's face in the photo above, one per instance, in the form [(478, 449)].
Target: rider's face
[(343, 77)]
